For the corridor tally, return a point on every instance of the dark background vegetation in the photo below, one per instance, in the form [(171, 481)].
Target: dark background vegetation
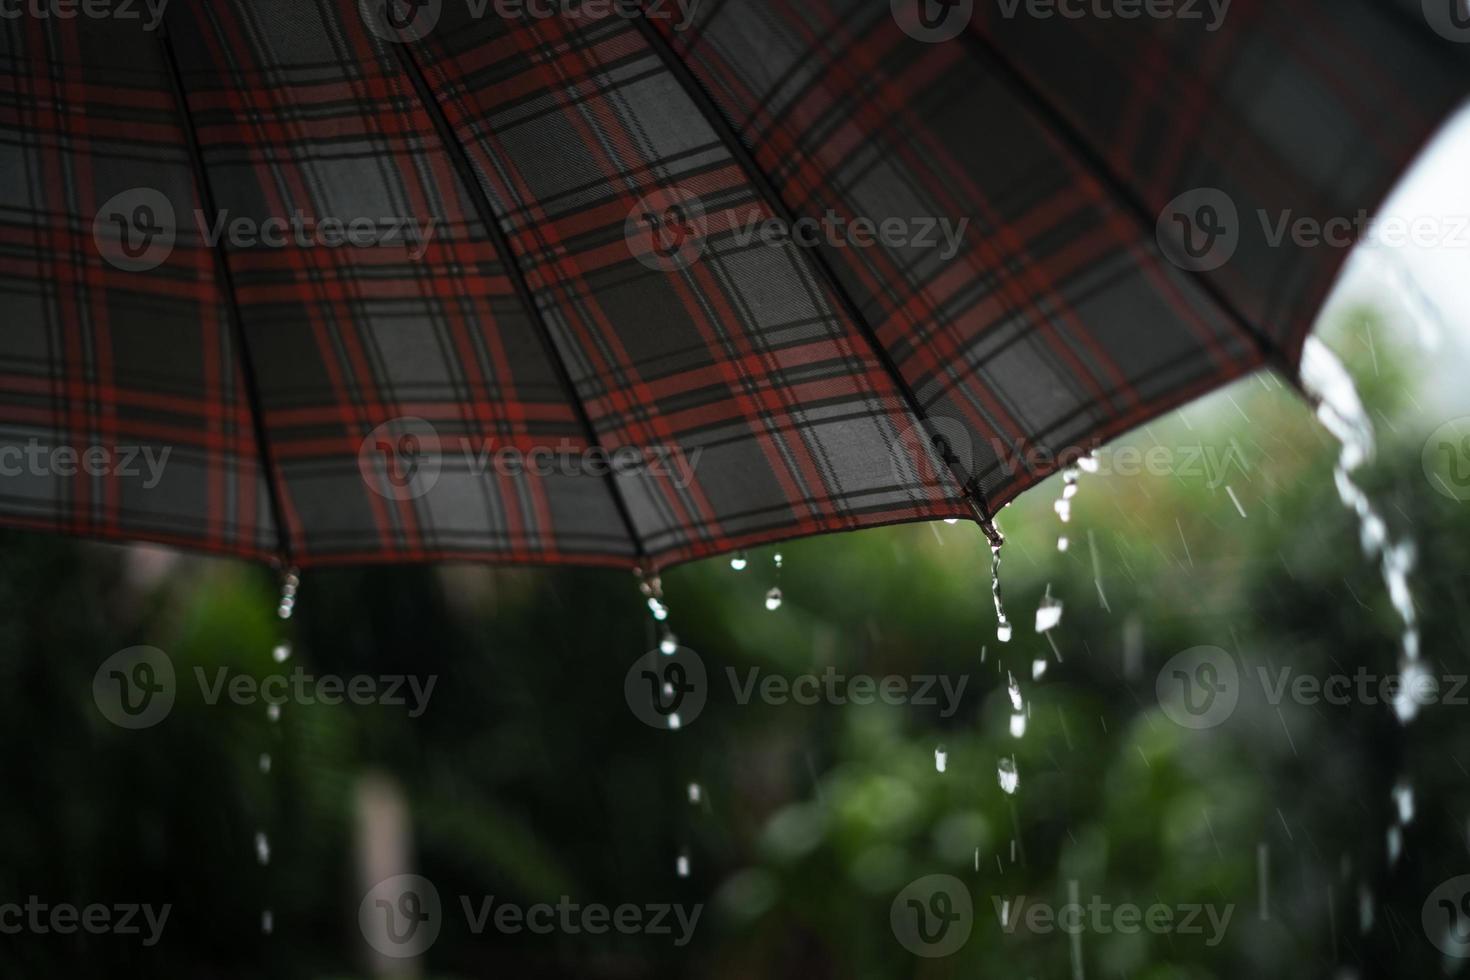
[(528, 777)]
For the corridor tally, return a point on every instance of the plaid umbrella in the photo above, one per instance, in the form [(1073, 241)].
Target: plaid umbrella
[(619, 282)]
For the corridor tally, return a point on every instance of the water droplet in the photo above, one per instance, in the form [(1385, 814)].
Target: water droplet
[(681, 866), (674, 722), (1018, 725), (739, 561), (1063, 508), (1007, 775), (281, 653), (1087, 464), (1003, 632), (265, 763), (696, 793), (669, 645), (1063, 544), (290, 582), (1038, 667), (659, 610), (777, 558), (1395, 843), (951, 520), (1049, 612), (941, 759), (273, 712), (262, 848), (1403, 798), (773, 599), (267, 922), (1014, 690)]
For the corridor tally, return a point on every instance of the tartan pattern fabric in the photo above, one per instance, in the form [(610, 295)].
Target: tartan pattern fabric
[(358, 266)]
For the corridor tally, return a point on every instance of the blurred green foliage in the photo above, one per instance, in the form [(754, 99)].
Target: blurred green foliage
[(528, 777)]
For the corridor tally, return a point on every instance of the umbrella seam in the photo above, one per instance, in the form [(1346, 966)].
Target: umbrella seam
[(232, 302), (500, 240), (725, 133), (1060, 127)]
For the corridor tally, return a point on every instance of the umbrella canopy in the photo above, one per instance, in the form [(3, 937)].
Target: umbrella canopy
[(618, 283)]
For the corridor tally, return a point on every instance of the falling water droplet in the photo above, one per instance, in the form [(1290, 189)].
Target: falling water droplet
[(674, 722), (1395, 844), (681, 866), (1063, 544), (739, 561), (290, 582), (273, 712), (267, 922), (1014, 690), (777, 559), (696, 793), (262, 848), (941, 759), (951, 520), (1088, 464), (1049, 612), (281, 653), (1018, 725), (773, 599), (1403, 798), (1007, 775), (265, 763), (669, 644), (1002, 625), (1038, 667), (659, 610)]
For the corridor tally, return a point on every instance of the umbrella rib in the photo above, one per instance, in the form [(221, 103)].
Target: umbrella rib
[(501, 242), (761, 181), (1053, 119), (231, 297)]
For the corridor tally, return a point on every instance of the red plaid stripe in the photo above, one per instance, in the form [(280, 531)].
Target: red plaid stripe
[(588, 183)]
